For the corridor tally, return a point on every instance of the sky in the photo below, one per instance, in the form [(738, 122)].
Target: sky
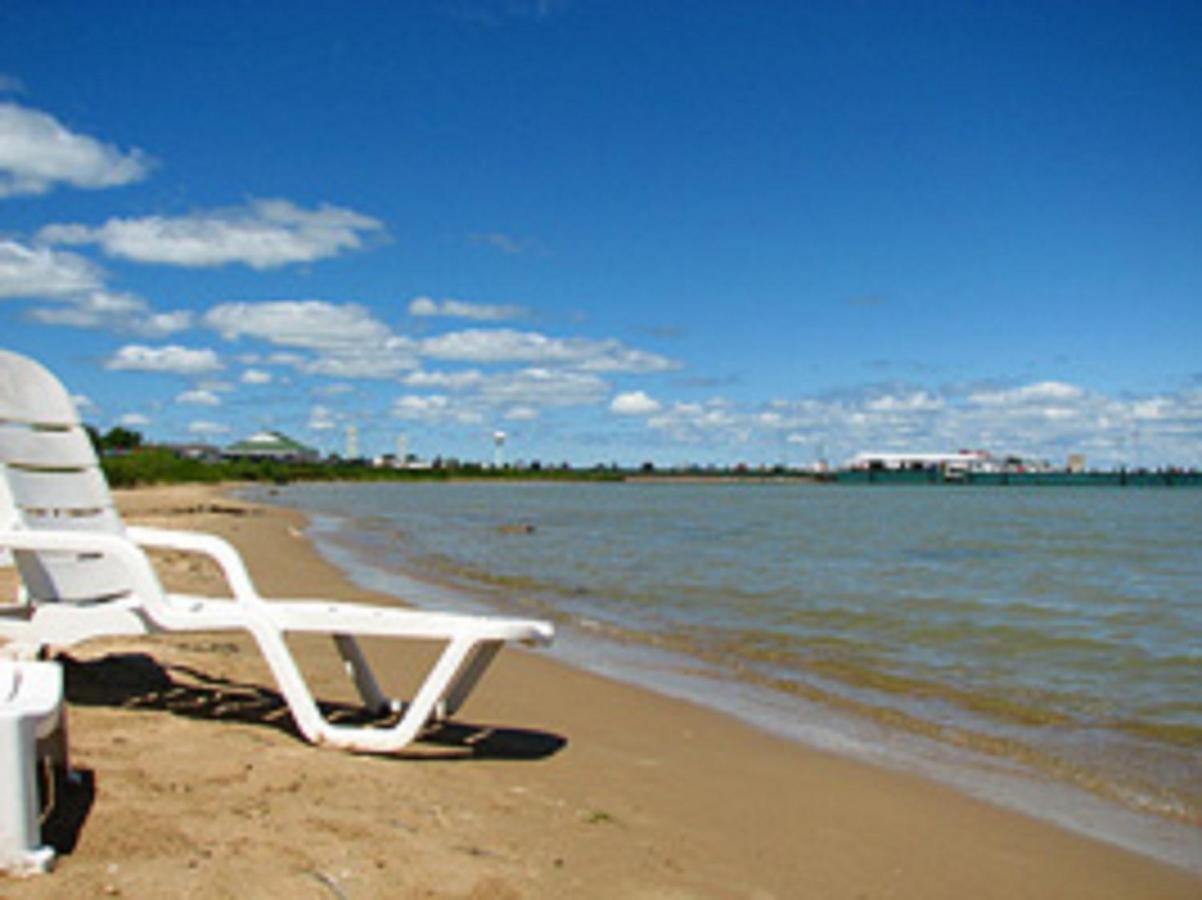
[(688, 233)]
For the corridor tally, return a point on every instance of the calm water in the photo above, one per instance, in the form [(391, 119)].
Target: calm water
[(1051, 632)]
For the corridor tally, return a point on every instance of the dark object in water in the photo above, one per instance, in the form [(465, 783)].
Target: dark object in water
[(516, 528)]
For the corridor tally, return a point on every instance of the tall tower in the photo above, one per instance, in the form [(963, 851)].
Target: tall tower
[(402, 448), (498, 440), (352, 442)]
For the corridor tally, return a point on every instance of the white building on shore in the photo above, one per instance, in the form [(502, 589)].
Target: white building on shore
[(958, 462)]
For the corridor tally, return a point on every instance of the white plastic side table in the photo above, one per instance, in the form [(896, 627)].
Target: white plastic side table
[(31, 710)]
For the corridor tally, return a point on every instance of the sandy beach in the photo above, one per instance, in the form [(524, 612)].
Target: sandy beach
[(551, 783)]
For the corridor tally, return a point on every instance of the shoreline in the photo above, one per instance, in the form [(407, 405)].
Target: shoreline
[(633, 793), (1009, 782)]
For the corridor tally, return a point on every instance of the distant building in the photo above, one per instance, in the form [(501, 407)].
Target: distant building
[(950, 463), (271, 445), (961, 460)]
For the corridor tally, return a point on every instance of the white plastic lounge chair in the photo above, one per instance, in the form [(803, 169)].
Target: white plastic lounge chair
[(31, 701), (86, 575)]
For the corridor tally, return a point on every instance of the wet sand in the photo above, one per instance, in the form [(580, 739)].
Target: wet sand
[(551, 783)]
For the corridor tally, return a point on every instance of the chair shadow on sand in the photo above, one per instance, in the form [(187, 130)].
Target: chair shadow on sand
[(138, 681)]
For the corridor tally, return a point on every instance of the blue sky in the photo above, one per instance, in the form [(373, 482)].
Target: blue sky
[(684, 232)]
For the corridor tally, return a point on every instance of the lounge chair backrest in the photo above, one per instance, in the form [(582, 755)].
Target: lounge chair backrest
[(52, 480)]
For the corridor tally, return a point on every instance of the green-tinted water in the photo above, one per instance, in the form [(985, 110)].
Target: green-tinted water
[(1057, 629)]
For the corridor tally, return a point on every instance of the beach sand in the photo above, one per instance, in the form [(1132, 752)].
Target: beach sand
[(554, 783)]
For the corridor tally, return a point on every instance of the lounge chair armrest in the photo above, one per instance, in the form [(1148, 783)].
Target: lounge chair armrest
[(216, 548), (143, 580)]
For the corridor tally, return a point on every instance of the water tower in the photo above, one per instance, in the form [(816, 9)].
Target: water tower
[(498, 442)]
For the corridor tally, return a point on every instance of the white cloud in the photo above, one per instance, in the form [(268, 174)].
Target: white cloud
[(508, 345), (285, 359), (133, 420), (506, 243), (163, 324), (264, 234), (434, 408), (1032, 394), (37, 152), (521, 414), (704, 422), (171, 359), (540, 387), (1047, 420), (198, 397), (35, 272), (256, 376), (115, 311), (634, 403), (451, 381), (385, 361), (518, 394), (310, 324), (321, 418), (207, 429), (84, 403), (417, 406), (348, 340), (911, 402), (460, 309)]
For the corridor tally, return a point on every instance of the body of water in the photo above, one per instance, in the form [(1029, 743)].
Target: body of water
[(1042, 647)]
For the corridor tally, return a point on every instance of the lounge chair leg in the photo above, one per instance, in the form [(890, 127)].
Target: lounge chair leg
[(431, 696), (477, 664), (291, 682), (360, 671)]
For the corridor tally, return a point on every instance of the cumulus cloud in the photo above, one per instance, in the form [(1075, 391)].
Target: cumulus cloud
[(263, 234), (507, 345), (906, 402), (433, 408), (543, 388), (37, 152), (133, 420), (202, 428), (506, 243), (198, 397), (1046, 420), (311, 324), (447, 381), (516, 395), (714, 420), (256, 376), (349, 342), (460, 309), (386, 360), (171, 359), (521, 414), (1041, 393), (634, 403), (41, 272), (321, 418), (118, 312)]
